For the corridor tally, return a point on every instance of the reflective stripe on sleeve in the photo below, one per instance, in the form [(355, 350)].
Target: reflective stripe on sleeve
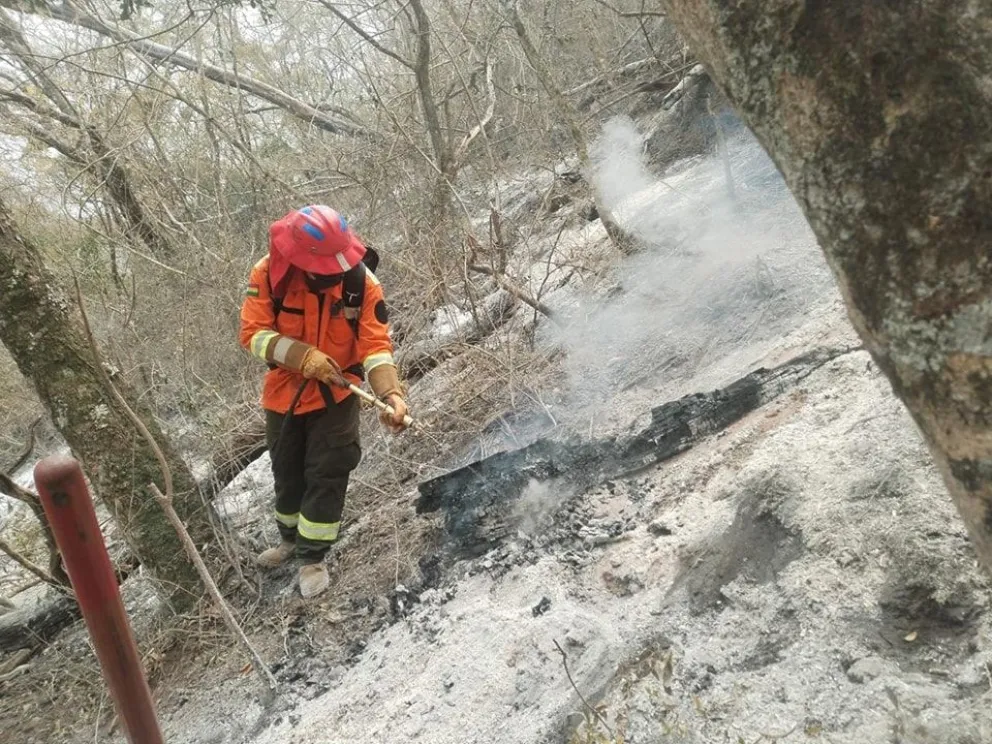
[(260, 343), (377, 360), (288, 520), (280, 349), (274, 348), (322, 531)]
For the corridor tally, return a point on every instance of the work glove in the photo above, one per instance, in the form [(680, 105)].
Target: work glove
[(385, 383), (394, 423), (318, 366)]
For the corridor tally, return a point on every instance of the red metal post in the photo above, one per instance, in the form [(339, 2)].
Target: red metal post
[(69, 509)]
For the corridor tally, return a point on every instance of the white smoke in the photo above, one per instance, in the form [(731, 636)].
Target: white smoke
[(720, 269)]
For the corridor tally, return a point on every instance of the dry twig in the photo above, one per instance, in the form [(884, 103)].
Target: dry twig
[(27, 565), (599, 716)]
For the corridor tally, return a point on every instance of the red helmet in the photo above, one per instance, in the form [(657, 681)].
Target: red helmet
[(315, 239)]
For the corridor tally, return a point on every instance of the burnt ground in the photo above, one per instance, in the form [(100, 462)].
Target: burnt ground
[(795, 572), (765, 584)]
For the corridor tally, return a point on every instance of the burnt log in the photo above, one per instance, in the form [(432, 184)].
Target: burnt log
[(32, 627), (477, 499)]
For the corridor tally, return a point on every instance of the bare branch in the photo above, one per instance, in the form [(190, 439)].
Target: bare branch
[(365, 35), (41, 109), (106, 165), (504, 282), (425, 88), (115, 393), (627, 69), (28, 446), (69, 12), (27, 565), (568, 673), (14, 490), (484, 122), (165, 500)]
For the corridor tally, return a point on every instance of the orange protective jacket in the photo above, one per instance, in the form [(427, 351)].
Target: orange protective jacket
[(315, 318)]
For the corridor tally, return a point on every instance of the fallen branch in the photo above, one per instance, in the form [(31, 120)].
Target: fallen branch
[(27, 565), (165, 501), (602, 720)]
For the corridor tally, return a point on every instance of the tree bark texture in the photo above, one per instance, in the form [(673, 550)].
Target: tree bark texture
[(879, 116), (51, 350)]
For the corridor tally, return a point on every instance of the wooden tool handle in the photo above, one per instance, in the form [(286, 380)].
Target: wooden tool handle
[(378, 403)]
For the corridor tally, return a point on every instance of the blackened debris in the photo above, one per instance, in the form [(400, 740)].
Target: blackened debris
[(541, 607)]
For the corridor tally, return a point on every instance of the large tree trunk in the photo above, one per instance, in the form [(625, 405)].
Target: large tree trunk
[(880, 119), (51, 350)]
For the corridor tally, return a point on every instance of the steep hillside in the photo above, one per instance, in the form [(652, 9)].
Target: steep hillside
[(784, 566), (797, 575)]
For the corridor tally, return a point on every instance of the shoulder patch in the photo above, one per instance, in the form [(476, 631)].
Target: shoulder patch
[(381, 312), (252, 290)]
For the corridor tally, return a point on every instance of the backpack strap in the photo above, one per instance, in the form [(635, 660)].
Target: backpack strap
[(276, 309), (276, 301), (352, 297), (353, 294)]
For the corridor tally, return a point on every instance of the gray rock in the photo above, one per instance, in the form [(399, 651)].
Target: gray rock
[(866, 669)]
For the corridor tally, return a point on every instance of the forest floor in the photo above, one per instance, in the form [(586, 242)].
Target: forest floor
[(798, 575)]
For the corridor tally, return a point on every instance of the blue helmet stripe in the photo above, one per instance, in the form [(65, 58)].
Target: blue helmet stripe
[(313, 232)]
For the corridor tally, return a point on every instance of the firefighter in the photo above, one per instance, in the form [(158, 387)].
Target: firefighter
[(315, 313)]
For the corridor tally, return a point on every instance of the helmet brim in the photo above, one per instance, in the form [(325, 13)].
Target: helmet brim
[(285, 253)]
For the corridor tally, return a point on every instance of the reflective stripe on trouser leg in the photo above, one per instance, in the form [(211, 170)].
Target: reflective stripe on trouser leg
[(318, 531), (333, 452), (287, 448)]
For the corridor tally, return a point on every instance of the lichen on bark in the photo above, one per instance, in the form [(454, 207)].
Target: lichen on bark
[(51, 350)]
